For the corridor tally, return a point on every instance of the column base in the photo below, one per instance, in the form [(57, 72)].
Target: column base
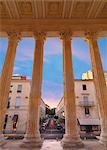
[(31, 142), (70, 142), (103, 139)]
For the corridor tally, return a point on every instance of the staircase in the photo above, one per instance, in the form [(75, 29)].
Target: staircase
[(52, 134)]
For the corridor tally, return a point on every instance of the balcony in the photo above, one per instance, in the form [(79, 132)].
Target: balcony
[(86, 103)]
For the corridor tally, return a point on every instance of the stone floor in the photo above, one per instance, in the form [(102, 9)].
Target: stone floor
[(53, 145)]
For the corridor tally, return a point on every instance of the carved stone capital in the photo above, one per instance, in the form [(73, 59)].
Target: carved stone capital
[(65, 35), (90, 35), (14, 36), (40, 36)]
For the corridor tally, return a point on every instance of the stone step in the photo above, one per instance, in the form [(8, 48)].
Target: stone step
[(52, 131), (52, 136)]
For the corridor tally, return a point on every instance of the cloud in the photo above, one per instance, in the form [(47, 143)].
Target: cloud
[(52, 92), (0, 69), (51, 102), (47, 82), (80, 49), (81, 55), (24, 54), (16, 69), (45, 60), (52, 46)]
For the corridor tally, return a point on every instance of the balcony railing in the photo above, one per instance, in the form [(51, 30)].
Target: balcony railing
[(86, 103)]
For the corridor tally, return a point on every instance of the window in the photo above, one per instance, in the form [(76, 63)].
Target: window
[(84, 87), (6, 118), (19, 89), (18, 99), (8, 105), (85, 100), (87, 112), (95, 128), (26, 97), (9, 98), (82, 128), (15, 120), (88, 128)]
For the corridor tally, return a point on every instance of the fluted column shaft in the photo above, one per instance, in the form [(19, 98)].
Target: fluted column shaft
[(100, 83), (69, 93), (35, 94), (6, 75), (71, 137)]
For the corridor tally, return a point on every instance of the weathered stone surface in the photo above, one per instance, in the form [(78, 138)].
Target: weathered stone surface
[(53, 145), (100, 83), (32, 136), (71, 137)]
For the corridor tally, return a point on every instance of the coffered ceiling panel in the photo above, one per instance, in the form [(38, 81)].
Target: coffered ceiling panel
[(3, 11), (80, 9), (103, 12), (25, 9), (54, 9), (67, 9)]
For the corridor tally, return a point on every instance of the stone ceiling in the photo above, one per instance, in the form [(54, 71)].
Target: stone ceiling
[(52, 16)]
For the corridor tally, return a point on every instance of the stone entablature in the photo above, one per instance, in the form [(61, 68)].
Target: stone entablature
[(52, 16)]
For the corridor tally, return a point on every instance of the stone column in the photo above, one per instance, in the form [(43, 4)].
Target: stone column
[(5, 80), (100, 83), (32, 138), (71, 137)]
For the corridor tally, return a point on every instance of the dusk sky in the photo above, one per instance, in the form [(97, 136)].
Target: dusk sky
[(52, 87)]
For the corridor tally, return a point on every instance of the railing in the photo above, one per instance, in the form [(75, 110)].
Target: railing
[(85, 103)]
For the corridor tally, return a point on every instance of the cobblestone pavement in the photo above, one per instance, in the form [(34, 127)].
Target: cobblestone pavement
[(53, 145)]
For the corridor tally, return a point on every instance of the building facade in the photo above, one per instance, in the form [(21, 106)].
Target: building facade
[(17, 108), (89, 75), (86, 107)]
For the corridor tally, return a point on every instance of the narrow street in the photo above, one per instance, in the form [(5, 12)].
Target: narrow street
[(52, 131)]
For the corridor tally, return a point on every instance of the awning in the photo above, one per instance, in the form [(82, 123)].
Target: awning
[(89, 121)]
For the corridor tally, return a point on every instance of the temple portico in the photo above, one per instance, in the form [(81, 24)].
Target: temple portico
[(26, 20), (71, 137)]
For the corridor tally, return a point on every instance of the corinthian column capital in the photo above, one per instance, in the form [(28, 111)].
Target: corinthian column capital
[(65, 35), (40, 36), (14, 36), (91, 35)]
